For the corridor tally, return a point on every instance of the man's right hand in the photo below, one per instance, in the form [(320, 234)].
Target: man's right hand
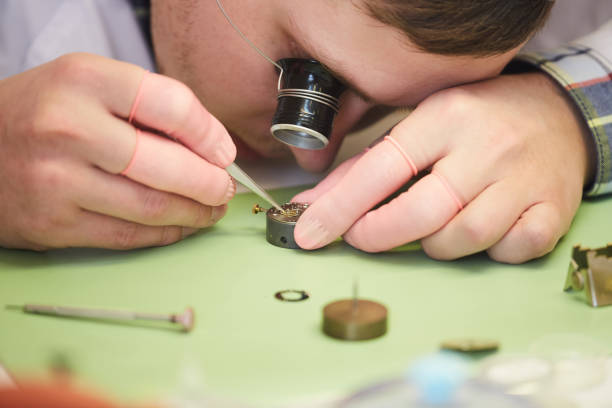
[(65, 140)]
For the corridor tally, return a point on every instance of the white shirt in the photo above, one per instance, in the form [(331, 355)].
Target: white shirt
[(33, 32), (570, 20)]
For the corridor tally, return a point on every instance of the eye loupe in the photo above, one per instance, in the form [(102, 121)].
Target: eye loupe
[(307, 104)]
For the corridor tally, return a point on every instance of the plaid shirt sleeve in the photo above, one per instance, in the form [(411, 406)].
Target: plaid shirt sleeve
[(584, 70)]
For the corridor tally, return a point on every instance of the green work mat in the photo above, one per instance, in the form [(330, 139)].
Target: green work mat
[(251, 347)]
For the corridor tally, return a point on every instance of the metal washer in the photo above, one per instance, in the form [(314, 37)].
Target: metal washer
[(291, 295)]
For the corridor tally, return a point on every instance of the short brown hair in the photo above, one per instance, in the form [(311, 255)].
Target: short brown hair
[(463, 27)]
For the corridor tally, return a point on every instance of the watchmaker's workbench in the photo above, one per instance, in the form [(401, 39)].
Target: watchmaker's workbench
[(249, 345)]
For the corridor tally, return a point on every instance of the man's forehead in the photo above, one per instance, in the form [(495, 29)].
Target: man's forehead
[(378, 61), (347, 49)]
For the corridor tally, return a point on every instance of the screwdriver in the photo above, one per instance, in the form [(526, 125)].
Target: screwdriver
[(185, 320)]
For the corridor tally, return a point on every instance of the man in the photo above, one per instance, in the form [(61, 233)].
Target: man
[(83, 163)]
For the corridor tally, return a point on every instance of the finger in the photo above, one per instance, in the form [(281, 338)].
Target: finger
[(336, 175), (170, 106), (103, 231), (123, 198), (481, 224), (418, 212), (377, 174), (327, 183), (165, 104), (168, 166), (534, 234), (18, 242), (380, 172), (155, 161)]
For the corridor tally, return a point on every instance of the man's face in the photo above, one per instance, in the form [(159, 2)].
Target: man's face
[(195, 44)]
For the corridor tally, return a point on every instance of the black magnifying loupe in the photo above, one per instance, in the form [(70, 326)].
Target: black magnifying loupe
[(307, 104)]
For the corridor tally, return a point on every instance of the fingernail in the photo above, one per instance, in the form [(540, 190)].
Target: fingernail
[(217, 213), (226, 150), (231, 190), (187, 231), (226, 153), (311, 234)]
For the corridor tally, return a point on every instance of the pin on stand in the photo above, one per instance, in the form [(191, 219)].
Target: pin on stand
[(355, 319)]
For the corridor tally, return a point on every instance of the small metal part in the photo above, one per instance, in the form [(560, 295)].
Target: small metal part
[(590, 271), (354, 320), (281, 223), (291, 295), (185, 320), (470, 345), (257, 209)]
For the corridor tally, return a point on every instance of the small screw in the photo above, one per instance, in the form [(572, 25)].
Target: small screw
[(257, 209)]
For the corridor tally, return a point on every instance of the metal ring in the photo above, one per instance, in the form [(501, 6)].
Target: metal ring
[(313, 133), (282, 295), (334, 108), (332, 102), (309, 94), (309, 91)]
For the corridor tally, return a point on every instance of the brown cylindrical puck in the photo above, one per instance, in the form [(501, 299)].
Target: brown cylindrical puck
[(351, 319)]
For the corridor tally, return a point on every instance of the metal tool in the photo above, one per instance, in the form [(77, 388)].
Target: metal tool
[(590, 270), (244, 179), (185, 320)]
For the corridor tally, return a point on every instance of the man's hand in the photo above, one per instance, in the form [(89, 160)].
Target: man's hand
[(512, 151), (65, 140)]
